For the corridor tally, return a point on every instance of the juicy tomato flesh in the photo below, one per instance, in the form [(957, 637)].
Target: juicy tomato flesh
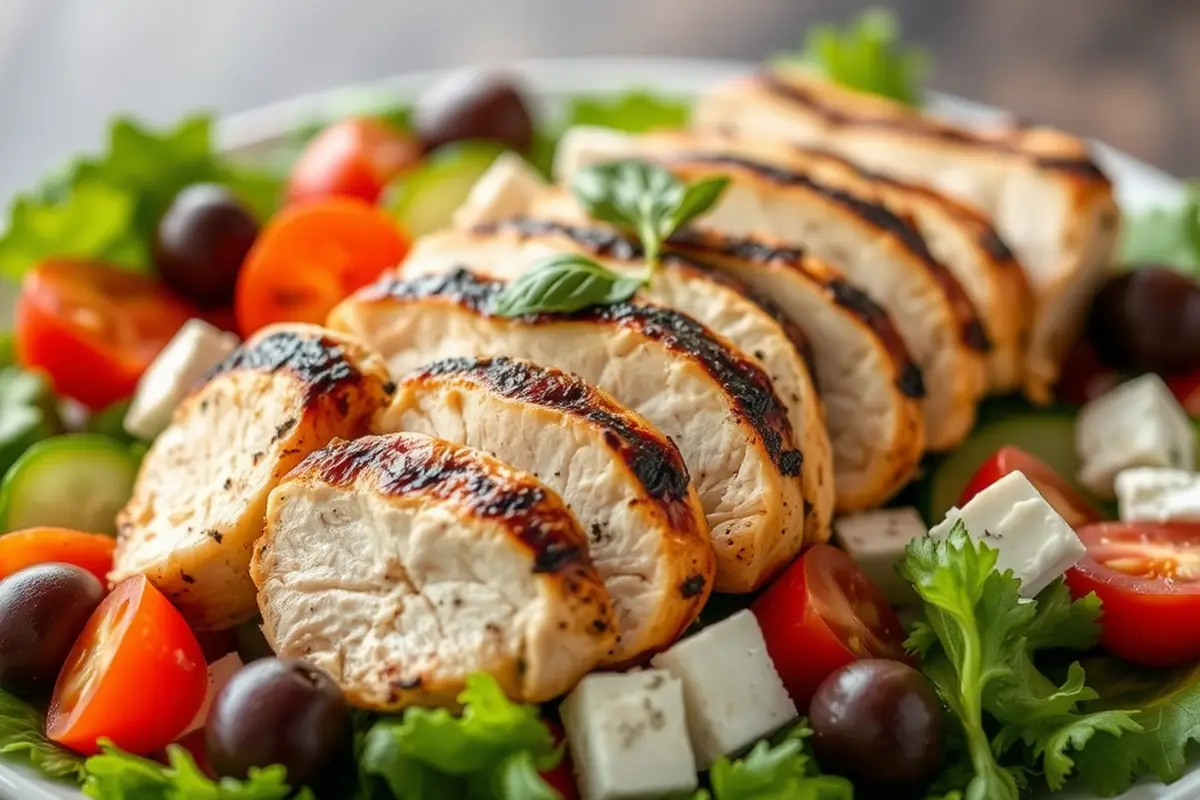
[(93, 328), (1147, 575), (352, 158), (136, 675), (822, 613), (90, 551), (1058, 493)]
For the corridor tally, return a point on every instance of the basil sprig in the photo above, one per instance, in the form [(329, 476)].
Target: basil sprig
[(638, 197)]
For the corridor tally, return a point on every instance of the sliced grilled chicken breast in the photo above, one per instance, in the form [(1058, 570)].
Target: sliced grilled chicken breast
[(198, 504), (691, 384), (625, 482), (756, 325), (1041, 187), (854, 230), (401, 564)]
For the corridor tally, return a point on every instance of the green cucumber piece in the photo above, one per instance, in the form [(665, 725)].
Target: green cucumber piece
[(78, 481), (423, 199)]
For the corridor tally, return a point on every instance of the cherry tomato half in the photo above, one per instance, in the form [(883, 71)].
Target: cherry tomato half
[(1147, 575), (136, 675), (562, 777), (1058, 493), (351, 158), (822, 613), (90, 551), (1186, 388), (93, 328), (310, 257)]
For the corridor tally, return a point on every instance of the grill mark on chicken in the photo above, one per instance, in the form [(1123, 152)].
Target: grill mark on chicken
[(839, 290), (970, 330), (746, 384), (658, 467), (402, 466), (319, 362), (1083, 167), (612, 245)]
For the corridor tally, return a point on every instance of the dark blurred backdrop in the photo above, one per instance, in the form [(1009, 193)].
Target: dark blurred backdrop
[(1121, 70)]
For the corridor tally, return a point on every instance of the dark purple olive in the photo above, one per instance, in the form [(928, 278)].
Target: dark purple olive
[(473, 104), (201, 242), (1148, 320), (43, 609), (879, 723), (278, 711)]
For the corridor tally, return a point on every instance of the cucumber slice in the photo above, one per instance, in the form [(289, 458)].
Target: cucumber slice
[(424, 199), (78, 481)]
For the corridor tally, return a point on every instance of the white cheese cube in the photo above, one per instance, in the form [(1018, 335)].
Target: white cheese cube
[(1031, 538), (581, 145), (628, 735), (733, 694), (1156, 494), (197, 348), (219, 674), (1137, 424), (876, 541), (507, 189)]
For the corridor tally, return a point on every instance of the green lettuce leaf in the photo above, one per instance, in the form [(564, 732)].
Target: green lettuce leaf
[(1165, 236), (779, 769), (635, 112), (8, 355), (22, 737), (27, 413), (495, 749)]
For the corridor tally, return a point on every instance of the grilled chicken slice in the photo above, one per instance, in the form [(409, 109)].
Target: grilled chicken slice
[(624, 481), (198, 504), (691, 384), (853, 230), (754, 324), (401, 564), (1041, 187)]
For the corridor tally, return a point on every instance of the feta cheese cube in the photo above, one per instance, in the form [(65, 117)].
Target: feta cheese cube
[(1156, 494), (219, 673), (732, 693), (197, 348), (507, 189), (1032, 539), (876, 541), (628, 735), (1137, 424)]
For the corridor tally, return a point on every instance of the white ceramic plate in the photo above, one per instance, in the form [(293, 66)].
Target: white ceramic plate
[(252, 134)]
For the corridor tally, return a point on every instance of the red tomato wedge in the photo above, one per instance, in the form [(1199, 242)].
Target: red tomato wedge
[(135, 676), (310, 257), (821, 614), (93, 328), (1186, 388), (562, 777), (351, 158), (90, 551), (1147, 575), (1058, 493)]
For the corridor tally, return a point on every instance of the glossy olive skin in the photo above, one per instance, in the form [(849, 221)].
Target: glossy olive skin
[(43, 609), (1148, 320), (278, 711), (201, 242), (474, 104), (879, 723)]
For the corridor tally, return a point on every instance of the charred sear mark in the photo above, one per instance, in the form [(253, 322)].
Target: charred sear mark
[(282, 429), (650, 457), (996, 248), (320, 363), (1081, 167), (215, 535), (691, 586), (748, 386), (911, 383), (400, 464)]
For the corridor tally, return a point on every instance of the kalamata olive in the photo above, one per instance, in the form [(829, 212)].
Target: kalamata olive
[(201, 242), (278, 711), (43, 609), (1148, 320), (880, 723), (473, 104)]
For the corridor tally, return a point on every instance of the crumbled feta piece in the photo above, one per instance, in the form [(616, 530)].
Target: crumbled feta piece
[(507, 189), (1137, 424), (628, 735), (732, 693), (197, 348), (1158, 495), (219, 674), (586, 144), (1033, 540), (876, 541)]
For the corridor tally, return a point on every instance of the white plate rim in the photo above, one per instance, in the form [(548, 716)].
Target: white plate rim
[(1139, 186)]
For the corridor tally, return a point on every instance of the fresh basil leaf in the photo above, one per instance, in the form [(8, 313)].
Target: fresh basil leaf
[(21, 736), (563, 284), (634, 112), (698, 197)]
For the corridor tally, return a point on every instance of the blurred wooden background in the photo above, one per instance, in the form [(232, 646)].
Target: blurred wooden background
[(1120, 70)]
